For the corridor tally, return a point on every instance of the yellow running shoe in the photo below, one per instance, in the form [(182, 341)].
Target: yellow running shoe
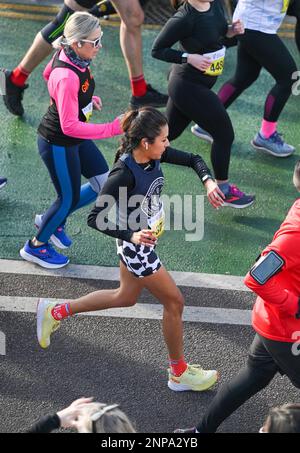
[(194, 378), (46, 324)]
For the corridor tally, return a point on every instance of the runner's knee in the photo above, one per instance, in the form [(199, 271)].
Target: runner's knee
[(175, 303), (133, 18), (55, 29)]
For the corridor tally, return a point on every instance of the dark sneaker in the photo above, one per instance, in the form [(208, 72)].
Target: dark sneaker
[(185, 431), (44, 256), (3, 182), (235, 198), (13, 94), (152, 98), (273, 145)]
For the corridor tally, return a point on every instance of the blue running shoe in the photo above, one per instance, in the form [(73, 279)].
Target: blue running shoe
[(59, 238), (273, 145), (3, 182), (201, 133), (44, 256)]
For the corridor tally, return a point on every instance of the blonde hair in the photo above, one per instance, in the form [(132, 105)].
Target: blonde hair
[(79, 26), (101, 418)]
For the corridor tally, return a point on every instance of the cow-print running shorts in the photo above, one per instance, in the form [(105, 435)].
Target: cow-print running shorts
[(140, 260)]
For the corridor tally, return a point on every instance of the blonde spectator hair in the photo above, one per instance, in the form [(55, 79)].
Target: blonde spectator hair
[(296, 178), (103, 418), (79, 26)]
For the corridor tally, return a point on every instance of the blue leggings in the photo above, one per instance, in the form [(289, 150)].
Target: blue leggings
[(65, 166)]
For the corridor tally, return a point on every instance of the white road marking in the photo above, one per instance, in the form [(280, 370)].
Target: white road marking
[(190, 279), (141, 311)]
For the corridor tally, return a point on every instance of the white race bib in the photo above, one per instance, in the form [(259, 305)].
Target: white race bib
[(88, 111), (217, 62)]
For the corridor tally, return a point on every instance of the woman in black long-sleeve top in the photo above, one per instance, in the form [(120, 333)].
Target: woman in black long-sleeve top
[(134, 186), (200, 28)]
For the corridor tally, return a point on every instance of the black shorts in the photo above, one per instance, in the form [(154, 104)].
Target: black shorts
[(140, 260), (294, 9)]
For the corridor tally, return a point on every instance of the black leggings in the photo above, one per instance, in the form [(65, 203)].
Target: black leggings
[(258, 50), (190, 101), (266, 358)]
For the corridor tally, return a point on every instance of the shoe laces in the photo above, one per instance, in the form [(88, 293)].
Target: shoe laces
[(48, 250), (150, 88), (195, 369), (153, 91), (55, 326), (234, 190), (277, 138), (56, 323)]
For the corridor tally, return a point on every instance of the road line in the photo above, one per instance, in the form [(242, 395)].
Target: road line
[(141, 311), (13, 15), (190, 279), (31, 8)]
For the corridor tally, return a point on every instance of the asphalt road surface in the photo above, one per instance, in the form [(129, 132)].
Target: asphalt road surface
[(121, 360)]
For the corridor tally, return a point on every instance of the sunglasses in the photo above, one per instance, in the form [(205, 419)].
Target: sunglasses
[(96, 43), (97, 415)]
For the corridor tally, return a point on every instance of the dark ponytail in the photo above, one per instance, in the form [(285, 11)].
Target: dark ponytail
[(177, 3), (145, 122)]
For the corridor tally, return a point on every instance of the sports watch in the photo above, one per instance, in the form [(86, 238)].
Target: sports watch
[(206, 178), (184, 58)]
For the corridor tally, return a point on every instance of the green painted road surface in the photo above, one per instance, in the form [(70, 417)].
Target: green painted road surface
[(232, 238)]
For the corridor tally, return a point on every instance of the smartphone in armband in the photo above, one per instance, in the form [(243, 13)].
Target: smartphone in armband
[(267, 266)]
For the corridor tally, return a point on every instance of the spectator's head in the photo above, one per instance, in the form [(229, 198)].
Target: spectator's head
[(103, 418), (283, 419), (296, 178)]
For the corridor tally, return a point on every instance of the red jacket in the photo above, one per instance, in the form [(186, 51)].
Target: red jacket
[(274, 312)]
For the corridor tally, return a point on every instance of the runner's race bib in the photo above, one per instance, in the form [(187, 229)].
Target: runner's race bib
[(88, 111), (285, 5), (217, 62), (157, 222)]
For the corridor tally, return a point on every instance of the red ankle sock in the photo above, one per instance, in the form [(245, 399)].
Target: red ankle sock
[(61, 311), (178, 367), (19, 76), (138, 85)]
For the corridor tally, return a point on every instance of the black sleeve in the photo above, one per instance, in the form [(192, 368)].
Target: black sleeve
[(194, 161), (230, 42), (45, 424), (174, 30), (120, 176)]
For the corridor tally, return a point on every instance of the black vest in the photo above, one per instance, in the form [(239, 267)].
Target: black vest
[(147, 209), (49, 127)]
